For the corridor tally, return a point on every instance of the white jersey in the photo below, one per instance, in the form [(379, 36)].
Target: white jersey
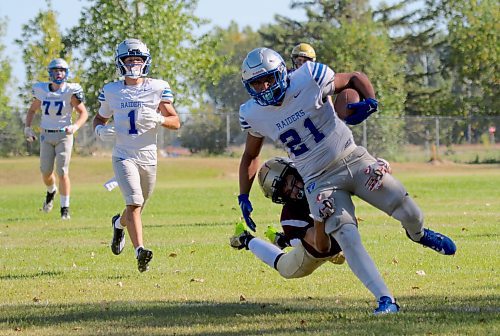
[(130, 105), (56, 106), (305, 124)]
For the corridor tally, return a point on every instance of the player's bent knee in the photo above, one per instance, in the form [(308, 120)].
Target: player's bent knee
[(408, 211)]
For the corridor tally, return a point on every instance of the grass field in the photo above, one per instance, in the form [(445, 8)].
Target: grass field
[(60, 277)]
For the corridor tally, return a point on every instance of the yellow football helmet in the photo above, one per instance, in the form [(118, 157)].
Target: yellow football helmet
[(302, 50)]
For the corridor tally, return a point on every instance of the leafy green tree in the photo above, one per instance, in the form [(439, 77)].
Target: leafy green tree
[(347, 39), (228, 93), (166, 26), (11, 136), (473, 37), (203, 131), (41, 42)]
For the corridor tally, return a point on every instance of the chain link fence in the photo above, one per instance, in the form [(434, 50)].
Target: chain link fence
[(465, 140)]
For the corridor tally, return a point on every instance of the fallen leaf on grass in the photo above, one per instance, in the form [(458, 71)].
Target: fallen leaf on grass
[(197, 280), (242, 298), (36, 299), (395, 261), (172, 255)]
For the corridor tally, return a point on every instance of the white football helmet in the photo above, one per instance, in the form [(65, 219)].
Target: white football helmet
[(272, 176), (262, 62), (132, 47), (58, 63)]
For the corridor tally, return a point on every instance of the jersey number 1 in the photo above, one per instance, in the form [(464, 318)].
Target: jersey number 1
[(131, 119)]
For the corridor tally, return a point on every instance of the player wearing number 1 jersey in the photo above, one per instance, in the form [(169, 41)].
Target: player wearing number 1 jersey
[(56, 100), (294, 109), (139, 106)]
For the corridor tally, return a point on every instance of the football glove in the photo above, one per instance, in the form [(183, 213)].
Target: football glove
[(154, 117), (362, 110), (105, 133), (376, 172), (246, 209), (71, 129), (29, 134)]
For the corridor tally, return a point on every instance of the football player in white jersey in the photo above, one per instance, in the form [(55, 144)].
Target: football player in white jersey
[(56, 100), (294, 110), (312, 247), (139, 106)]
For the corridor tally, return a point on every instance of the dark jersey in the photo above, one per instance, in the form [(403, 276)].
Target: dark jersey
[(295, 221)]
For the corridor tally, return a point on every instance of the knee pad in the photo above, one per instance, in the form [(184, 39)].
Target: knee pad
[(410, 216), (347, 236)]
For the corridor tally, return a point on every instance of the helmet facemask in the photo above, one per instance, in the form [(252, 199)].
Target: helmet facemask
[(55, 66), (133, 69), (131, 48), (276, 174), (272, 95)]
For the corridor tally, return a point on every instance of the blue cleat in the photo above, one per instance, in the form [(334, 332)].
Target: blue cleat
[(438, 242), (386, 306)]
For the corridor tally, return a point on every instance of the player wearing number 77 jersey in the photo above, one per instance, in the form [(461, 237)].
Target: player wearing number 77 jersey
[(56, 100), (294, 110), (139, 106)]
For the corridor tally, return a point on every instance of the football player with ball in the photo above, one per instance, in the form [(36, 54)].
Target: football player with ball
[(294, 110)]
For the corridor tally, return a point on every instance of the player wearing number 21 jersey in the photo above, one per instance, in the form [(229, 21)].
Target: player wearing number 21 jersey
[(305, 120), (294, 110)]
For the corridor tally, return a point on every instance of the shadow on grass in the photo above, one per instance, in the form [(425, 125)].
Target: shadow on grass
[(419, 316), (41, 274)]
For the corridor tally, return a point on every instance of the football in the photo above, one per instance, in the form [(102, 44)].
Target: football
[(344, 97)]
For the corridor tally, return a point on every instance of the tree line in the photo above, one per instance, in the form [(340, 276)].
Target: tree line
[(425, 58)]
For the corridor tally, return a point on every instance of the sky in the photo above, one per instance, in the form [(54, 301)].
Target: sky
[(19, 12), (252, 13)]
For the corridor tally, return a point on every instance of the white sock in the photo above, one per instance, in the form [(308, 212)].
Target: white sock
[(118, 224), (265, 251), (64, 201), (51, 188), (137, 250), (360, 261)]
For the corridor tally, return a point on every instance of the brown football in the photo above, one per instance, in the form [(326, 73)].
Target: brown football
[(344, 97)]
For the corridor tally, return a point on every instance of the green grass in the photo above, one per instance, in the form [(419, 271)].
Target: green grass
[(60, 278)]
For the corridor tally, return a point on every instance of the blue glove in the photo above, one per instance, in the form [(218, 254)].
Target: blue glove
[(362, 110), (246, 209)]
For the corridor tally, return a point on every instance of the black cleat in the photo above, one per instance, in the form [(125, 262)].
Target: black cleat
[(48, 204), (65, 213), (118, 241), (143, 258)]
